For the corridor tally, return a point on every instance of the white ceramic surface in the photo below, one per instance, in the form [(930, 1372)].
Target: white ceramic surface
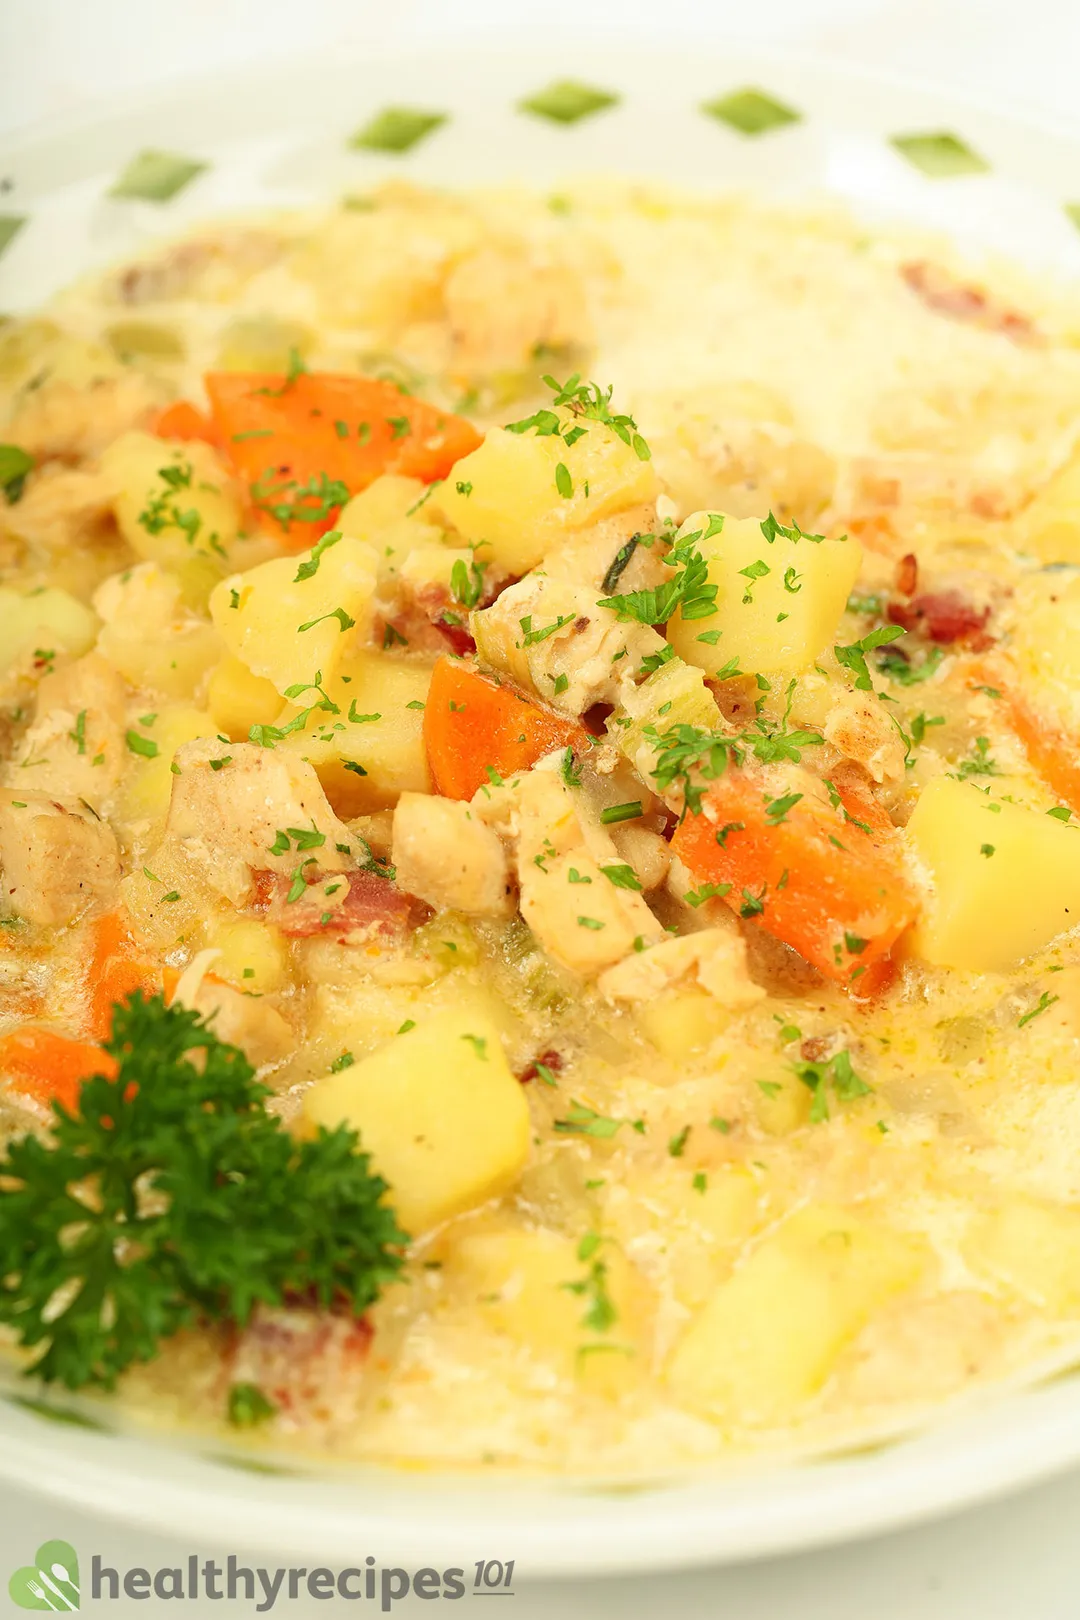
[(279, 136)]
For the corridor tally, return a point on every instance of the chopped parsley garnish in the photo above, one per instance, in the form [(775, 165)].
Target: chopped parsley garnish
[(530, 637), (979, 762), (144, 746), (117, 1213), (15, 465), (621, 812), (688, 590), (898, 668), (583, 1121), (248, 1406), (622, 876), (287, 501), (853, 657), (467, 582), (308, 570), (1045, 1000), (836, 1071)]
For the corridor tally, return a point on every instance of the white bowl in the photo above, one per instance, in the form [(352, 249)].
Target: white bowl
[(279, 137)]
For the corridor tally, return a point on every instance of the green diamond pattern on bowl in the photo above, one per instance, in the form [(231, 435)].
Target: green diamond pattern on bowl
[(939, 154), (1073, 212), (10, 226), (156, 176), (397, 129), (567, 102), (751, 112)]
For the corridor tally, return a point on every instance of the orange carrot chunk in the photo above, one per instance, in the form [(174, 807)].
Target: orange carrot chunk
[(1054, 755), (184, 421), (474, 727), (305, 444), (116, 971), (811, 879), (44, 1065)]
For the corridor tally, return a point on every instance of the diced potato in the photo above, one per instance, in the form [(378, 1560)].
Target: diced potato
[(167, 898), (782, 1104), (254, 955), (51, 619), (769, 1335), (505, 493), (381, 723), (175, 504), (1006, 878), (288, 630), (1033, 1248), (682, 1022), (150, 637), (238, 700), (382, 515), (778, 601), (1050, 525), (534, 1287), (149, 783), (444, 1119), (360, 1016)]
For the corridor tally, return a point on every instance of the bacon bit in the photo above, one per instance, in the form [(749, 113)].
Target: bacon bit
[(942, 293), (814, 1048), (945, 617), (992, 504), (550, 1059), (371, 906), (876, 532), (907, 574), (295, 1353)]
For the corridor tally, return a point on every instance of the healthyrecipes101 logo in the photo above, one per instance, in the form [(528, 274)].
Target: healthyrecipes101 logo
[(50, 1582)]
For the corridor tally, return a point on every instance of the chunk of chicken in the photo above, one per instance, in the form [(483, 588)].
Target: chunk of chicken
[(444, 854), (75, 746), (590, 648), (504, 302), (62, 422), (647, 852), (579, 915), (238, 808), (715, 959), (56, 857), (621, 545), (61, 506), (860, 727)]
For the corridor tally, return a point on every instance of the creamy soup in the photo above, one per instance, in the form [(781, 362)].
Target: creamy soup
[(539, 864)]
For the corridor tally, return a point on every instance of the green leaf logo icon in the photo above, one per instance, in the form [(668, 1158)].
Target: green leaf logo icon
[(51, 1582)]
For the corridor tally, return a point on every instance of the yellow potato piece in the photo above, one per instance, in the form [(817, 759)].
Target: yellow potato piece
[(52, 619), (254, 955), (175, 503), (287, 630), (1033, 1248), (1050, 525), (440, 1112), (379, 729), (989, 910), (149, 784), (778, 602), (682, 1022), (238, 700), (769, 1335), (506, 494)]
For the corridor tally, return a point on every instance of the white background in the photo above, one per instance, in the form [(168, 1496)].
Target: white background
[(1022, 1557)]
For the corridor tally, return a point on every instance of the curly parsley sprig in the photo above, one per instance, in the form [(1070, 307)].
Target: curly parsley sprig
[(174, 1197)]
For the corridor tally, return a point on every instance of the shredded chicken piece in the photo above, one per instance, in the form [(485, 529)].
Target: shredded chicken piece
[(591, 556), (715, 959), (595, 653), (56, 857), (445, 854), (578, 914), (75, 747), (61, 506), (60, 422), (258, 1029), (861, 729), (234, 805)]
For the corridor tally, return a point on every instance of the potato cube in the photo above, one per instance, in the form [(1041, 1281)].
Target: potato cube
[(768, 1336), (174, 501), (1006, 878), (382, 515), (1050, 525), (148, 787), (254, 955), (288, 629), (1033, 1248), (778, 601), (51, 619), (440, 1112), (150, 637), (535, 1287), (511, 495), (378, 753), (682, 1022), (238, 700)]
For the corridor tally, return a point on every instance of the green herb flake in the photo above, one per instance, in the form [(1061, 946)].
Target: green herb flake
[(939, 154), (623, 877), (677, 1145), (1045, 1000), (583, 1121), (10, 226), (751, 111), (630, 811), (567, 101), (308, 570), (146, 747), (15, 464), (248, 1406), (397, 129), (156, 176)]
